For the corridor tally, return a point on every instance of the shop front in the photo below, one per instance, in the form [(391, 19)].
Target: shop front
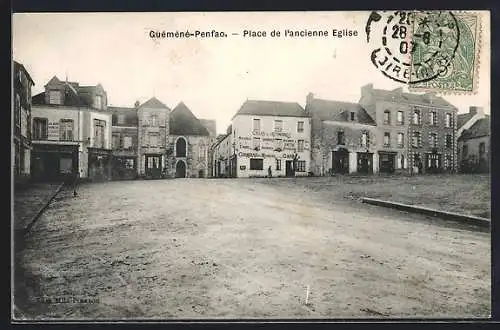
[(100, 164), (124, 168), (387, 162), (51, 162)]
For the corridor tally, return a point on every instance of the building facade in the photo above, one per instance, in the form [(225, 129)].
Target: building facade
[(474, 141), (71, 132), (189, 143), (270, 138), (343, 138), (223, 155), (22, 85), (416, 133), (124, 142)]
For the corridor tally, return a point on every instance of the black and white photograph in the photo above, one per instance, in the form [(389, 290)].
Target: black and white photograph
[(250, 165)]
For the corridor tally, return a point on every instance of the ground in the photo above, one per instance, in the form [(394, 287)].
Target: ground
[(249, 248)]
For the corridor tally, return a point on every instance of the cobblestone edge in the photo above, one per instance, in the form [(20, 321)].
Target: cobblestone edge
[(30, 224), (470, 219)]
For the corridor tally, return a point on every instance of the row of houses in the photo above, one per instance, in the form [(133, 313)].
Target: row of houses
[(385, 132), (69, 131)]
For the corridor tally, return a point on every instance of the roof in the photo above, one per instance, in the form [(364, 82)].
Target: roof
[(463, 118), (183, 122), (480, 128), (339, 111), (210, 125), (130, 114), (271, 108), (423, 99), (19, 66), (153, 103)]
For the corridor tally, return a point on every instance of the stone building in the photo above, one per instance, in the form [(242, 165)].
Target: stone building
[(270, 136), (416, 133), (189, 142), (71, 132), (474, 141), (21, 108), (124, 142), (223, 155), (153, 129), (343, 138)]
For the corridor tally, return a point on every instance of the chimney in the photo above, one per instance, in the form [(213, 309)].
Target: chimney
[(474, 110), (136, 104), (430, 97), (309, 99)]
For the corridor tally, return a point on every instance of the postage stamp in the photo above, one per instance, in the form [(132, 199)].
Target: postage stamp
[(427, 50)]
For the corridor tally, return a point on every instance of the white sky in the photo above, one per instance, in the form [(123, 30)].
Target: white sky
[(212, 76)]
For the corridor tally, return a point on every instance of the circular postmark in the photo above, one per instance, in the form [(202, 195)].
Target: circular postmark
[(411, 46)]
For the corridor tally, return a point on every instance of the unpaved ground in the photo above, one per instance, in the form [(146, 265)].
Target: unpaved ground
[(243, 249)]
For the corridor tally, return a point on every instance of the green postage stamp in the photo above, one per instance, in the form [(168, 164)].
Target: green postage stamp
[(427, 50)]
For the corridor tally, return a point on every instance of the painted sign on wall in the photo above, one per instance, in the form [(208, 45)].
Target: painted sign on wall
[(53, 131)]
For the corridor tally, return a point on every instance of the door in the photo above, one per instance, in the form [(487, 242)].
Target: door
[(289, 168), (387, 162), (365, 163), (340, 161), (180, 169)]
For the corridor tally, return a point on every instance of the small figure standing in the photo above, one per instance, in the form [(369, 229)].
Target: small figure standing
[(270, 172)]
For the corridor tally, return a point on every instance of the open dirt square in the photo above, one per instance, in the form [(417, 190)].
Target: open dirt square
[(194, 248)]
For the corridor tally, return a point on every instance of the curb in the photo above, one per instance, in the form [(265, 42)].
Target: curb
[(42, 209), (478, 221)]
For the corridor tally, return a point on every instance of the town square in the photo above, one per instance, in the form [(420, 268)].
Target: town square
[(242, 188)]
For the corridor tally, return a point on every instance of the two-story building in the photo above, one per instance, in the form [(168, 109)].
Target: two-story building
[(343, 138), (222, 151), (124, 142), (71, 132), (189, 139), (271, 137), (474, 141), (21, 108), (416, 132)]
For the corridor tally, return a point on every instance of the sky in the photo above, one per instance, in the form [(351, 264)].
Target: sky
[(212, 76)]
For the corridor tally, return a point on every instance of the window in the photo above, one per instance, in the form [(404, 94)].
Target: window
[(433, 140), (121, 119), (180, 147), (278, 164), (401, 140), (40, 128), (55, 97), (447, 162), (99, 137), (66, 130), (353, 116), (278, 126), (301, 166), (416, 117), (300, 127), (465, 151), (24, 123), (256, 143), (340, 138), (387, 139), (449, 141), (364, 139), (448, 120), (154, 120), (127, 142), (129, 163), (17, 109), (116, 141), (256, 163), (402, 165), (278, 144), (387, 117), (433, 118), (98, 101), (153, 140), (300, 145), (415, 141), (482, 149), (400, 118), (256, 125)]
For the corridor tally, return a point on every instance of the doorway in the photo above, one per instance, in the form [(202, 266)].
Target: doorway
[(289, 168), (387, 162), (180, 169), (340, 161), (365, 163)]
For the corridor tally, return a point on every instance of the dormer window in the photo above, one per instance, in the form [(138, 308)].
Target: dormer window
[(98, 101), (55, 97)]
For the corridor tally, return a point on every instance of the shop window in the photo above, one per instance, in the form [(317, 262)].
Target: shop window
[(256, 163), (301, 166)]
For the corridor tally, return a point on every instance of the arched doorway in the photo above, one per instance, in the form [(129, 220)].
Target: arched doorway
[(180, 147), (180, 169)]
